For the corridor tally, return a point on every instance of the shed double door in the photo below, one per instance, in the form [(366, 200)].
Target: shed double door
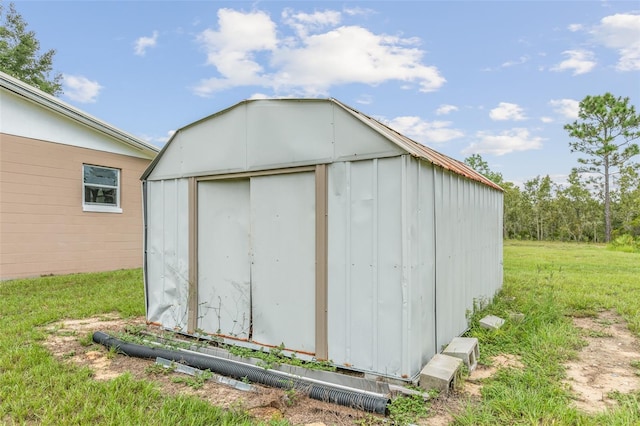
[(256, 259)]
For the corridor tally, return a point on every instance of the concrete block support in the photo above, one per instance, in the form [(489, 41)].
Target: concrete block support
[(465, 348), (440, 373), (491, 322)]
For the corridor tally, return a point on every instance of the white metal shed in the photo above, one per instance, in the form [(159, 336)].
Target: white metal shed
[(306, 223)]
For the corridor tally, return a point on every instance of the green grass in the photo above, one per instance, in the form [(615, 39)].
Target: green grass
[(36, 388), (549, 283)]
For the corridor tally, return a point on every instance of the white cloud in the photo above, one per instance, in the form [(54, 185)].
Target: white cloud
[(159, 141), (365, 99), (80, 89), (358, 11), (143, 43), (312, 60), (445, 109), (259, 96), (546, 119), (575, 27), (580, 61), (517, 139), (521, 60), (232, 49), (425, 131), (621, 32), (566, 107), (303, 23), (507, 111)]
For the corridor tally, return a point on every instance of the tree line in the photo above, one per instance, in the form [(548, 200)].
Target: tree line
[(601, 199)]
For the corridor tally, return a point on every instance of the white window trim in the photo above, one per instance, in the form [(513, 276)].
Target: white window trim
[(98, 207)]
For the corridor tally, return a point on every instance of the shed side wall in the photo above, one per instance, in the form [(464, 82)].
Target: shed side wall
[(43, 229), (468, 247)]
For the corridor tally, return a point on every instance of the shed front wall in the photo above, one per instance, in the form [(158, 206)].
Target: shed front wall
[(43, 227), (167, 252), (256, 259), (297, 133)]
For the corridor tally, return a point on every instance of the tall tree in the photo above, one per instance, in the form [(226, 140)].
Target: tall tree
[(626, 212), (19, 55), (476, 162), (537, 193), (579, 215), (605, 132)]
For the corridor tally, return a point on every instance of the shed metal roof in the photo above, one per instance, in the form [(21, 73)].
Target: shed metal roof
[(54, 104), (410, 146), (419, 150)]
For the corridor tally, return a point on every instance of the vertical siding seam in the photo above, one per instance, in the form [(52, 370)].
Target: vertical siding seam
[(246, 136), (347, 277), (435, 264), (406, 324), (145, 269), (162, 241), (192, 255), (374, 267)]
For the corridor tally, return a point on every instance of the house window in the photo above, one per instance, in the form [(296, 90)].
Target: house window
[(100, 189)]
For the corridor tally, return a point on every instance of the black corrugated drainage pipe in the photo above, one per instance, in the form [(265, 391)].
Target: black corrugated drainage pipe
[(321, 391)]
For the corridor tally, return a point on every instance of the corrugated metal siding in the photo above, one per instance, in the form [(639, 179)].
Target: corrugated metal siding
[(256, 257), (398, 226), (424, 311), (283, 260), (366, 291), (224, 263), (468, 248), (296, 132), (167, 252)]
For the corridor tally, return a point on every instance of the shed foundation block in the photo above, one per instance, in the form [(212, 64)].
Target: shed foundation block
[(465, 348), (440, 373), (491, 322)]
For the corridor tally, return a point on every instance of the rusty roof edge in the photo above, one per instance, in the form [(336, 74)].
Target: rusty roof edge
[(418, 150)]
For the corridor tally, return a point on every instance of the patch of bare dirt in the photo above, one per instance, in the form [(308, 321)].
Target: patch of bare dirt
[(473, 384), (604, 365), (66, 338)]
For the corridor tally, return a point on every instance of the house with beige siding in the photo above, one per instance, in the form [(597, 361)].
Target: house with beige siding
[(70, 195)]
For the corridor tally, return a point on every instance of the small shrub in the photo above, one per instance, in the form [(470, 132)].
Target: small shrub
[(625, 243)]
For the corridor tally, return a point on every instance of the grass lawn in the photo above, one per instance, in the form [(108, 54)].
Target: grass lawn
[(549, 282)]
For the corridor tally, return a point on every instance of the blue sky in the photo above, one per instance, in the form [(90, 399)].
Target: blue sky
[(496, 78)]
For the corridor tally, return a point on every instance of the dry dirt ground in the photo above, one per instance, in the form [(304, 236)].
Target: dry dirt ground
[(602, 366)]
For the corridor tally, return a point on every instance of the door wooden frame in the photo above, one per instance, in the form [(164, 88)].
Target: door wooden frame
[(321, 249)]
